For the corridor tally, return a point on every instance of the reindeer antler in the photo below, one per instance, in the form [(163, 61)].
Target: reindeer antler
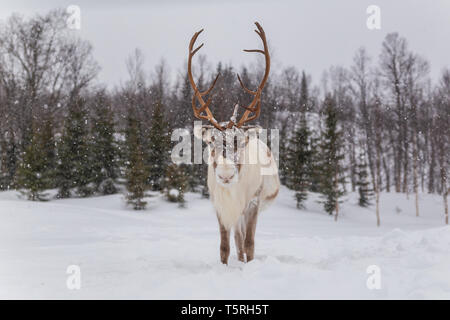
[(197, 94), (253, 107)]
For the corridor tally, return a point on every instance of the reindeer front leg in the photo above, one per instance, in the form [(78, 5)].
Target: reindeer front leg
[(239, 241), (224, 244), (249, 243)]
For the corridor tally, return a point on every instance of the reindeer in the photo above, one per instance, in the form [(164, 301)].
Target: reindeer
[(239, 188)]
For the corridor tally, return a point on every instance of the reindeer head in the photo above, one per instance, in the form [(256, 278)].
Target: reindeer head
[(227, 140), (228, 150)]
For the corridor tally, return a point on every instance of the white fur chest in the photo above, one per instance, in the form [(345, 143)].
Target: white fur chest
[(229, 204)]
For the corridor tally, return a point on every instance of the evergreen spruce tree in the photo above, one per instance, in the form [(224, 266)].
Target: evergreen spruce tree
[(104, 148), (9, 154), (182, 118), (64, 175), (157, 148), (203, 179), (47, 139), (191, 176), (315, 164), (331, 156), (364, 190), (35, 173), (285, 169), (74, 170), (197, 176), (304, 95), (5, 180), (299, 158), (12, 155), (3, 163), (176, 183), (136, 172)]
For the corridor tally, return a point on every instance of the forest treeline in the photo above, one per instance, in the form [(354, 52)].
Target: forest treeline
[(379, 125)]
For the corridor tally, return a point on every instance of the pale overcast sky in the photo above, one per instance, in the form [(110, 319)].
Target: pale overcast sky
[(309, 34)]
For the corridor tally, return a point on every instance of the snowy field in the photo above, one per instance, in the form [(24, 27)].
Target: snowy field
[(171, 253)]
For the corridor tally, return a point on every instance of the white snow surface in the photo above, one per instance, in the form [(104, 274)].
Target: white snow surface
[(168, 252)]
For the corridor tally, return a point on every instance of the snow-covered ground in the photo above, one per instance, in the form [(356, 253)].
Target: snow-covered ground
[(171, 253)]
